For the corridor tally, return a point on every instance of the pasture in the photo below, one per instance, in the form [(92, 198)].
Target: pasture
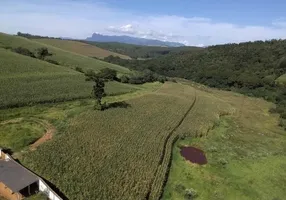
[(244, 148), (81, 48)]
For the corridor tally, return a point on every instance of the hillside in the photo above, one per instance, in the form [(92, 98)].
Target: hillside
[(25, 80), (80, 48), (139, 51), (64, 58), (250, 68)]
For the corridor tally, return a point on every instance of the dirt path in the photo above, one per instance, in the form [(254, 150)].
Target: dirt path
[(50, 130)]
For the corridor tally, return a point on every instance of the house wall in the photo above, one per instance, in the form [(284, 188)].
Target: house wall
[(8, 194), (43, 187)]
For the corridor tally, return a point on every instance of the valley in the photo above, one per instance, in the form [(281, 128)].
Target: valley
[(131, 149)]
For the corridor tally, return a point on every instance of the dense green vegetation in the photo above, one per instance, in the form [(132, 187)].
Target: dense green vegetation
[(137, 51), (282, 80), (250, 68)]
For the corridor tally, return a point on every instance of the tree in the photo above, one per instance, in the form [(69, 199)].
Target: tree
[(98, 91), (108, 74), (42, 53), (98, 87)]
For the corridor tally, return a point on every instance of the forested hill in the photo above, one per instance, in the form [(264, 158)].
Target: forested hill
[(139, 51), (251, 68)]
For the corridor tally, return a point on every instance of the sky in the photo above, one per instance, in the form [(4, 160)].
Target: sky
[(192, 22)]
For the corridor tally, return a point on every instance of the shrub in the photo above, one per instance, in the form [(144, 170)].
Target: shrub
[(79, 69), (108, 74), (52, 61), (190, 194), (42, 53), (24, 51), (124, 79)]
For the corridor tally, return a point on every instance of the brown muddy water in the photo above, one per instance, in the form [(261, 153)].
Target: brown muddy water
[(194, 155)]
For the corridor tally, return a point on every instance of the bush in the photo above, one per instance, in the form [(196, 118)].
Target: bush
[(124, 79), (52, 61), (79, 69), (190, 194), (108, 74), (42, 53), (24, 51)]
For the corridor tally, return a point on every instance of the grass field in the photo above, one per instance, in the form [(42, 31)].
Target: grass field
[(65, 58), (245, 150), (81, 48), (282, 79)]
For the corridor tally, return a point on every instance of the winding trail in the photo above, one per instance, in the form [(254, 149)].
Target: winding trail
[(50, 130), (155, 193)]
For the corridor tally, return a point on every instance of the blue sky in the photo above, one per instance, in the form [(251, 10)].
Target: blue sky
[(191, 22)]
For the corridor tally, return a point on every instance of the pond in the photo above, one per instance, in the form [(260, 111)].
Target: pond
[(194, 155)]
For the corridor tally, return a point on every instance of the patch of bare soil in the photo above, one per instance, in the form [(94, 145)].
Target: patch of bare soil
[(50, 130)]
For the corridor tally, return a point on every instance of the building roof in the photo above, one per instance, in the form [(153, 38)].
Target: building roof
[(15, 176)]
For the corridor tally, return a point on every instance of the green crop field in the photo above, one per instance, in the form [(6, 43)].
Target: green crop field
[(81, 48), (130, 151), (26, 80), (65, 58)]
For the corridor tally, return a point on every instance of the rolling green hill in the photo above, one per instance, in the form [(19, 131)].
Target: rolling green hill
[(25, 80), (250, 68), (65, 58), (81, 48), (137, 51)]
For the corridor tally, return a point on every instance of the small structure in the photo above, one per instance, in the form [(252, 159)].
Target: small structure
[(17, 182)]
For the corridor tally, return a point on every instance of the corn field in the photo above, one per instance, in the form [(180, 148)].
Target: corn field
[(114, 154)]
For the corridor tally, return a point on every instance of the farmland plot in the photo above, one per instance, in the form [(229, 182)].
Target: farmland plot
[(113, 154), (25, 80), (81, 48), (64, 58)]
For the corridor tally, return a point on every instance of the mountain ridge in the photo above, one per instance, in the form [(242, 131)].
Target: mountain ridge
[(132, 40)]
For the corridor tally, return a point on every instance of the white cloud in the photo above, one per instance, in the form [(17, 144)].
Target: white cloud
[(80, 20)]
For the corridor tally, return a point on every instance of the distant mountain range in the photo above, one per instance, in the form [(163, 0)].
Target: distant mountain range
[(132, 40)]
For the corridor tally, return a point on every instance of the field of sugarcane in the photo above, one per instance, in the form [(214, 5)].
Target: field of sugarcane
[(63, 57), (114, 154)]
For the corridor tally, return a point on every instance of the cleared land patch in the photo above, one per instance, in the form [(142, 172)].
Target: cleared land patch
[(81, 48)]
